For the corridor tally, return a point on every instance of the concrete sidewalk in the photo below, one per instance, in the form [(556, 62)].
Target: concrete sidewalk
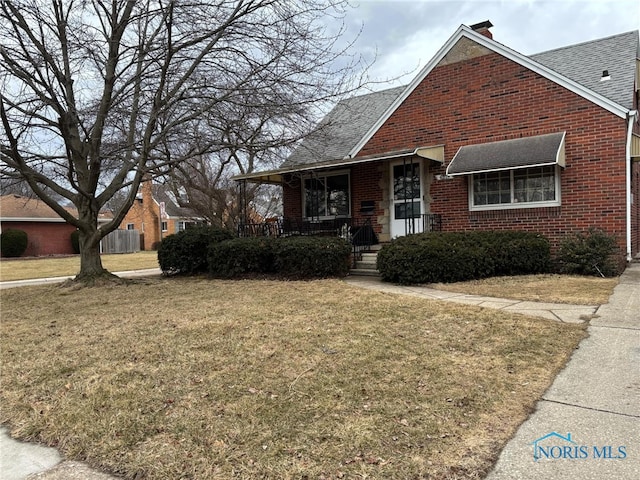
[(594, 402), (561, 312), (44, 281)]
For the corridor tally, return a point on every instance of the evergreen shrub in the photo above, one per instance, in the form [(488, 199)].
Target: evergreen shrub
[(185, 253), (13, 242), (458, 256), (594, 252), (311, 257), (288, 257), (241, 256)]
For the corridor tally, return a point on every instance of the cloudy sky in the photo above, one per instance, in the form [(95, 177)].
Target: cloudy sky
[(404, 35)]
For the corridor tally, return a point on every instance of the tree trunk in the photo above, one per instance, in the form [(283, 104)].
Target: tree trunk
[(89, 239), (90, 261)]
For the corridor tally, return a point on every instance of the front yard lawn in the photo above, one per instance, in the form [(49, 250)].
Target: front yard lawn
[(574, 289), (43, 267), (193, 378)]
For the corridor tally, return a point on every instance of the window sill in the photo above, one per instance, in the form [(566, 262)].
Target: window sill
[(514, 206)]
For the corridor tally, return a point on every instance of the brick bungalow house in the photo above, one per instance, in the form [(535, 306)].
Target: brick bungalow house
[(156, 214), (47, 233), (482, 138)]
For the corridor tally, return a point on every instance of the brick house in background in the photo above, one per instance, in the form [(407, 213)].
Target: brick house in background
[(147, 217), (482, 138), (47, 232)]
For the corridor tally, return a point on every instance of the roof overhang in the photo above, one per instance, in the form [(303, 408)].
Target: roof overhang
[(33, 219), (433, 152), (538, 151)]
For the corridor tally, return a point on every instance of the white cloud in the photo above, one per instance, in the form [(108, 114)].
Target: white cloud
[(407, 33)]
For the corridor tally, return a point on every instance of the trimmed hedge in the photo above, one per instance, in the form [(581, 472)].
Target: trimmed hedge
[(185, 253), (289, 257), (13, 243), (594, 252), (459, 256), (311, 257), (241, 256)]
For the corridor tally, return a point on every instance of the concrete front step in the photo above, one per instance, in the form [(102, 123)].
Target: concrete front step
[(365, 272), (367, 264)]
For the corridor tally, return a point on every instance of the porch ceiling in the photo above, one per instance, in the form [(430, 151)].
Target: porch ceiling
[(541, 150), (434, 153)]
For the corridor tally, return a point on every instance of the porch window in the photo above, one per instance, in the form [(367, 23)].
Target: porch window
[(518, 188), (327, 196)]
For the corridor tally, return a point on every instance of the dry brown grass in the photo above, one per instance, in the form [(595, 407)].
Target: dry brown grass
[(190, 378), (23, 269), (576, 290)]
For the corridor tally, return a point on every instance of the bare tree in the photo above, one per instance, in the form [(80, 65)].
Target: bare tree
[(98, 95)]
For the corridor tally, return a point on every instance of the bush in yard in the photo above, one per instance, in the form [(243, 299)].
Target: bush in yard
[(289, 257), (516, 252), (241, 256), (185, 253), (459, 256), (594, 252), (311, 257), (13, 243), (75, 241)]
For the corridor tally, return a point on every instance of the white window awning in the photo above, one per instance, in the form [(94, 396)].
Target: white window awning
[(538, 151)]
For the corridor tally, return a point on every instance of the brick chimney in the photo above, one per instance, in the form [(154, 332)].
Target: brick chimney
[(483, 28)]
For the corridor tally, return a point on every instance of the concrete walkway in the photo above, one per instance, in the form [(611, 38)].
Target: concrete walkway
[(44, 281), (587, 425), (551, 311), (595, 400)]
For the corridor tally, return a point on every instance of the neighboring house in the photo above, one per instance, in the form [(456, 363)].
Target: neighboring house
[(156, 214), (482, 138), (47, 232)]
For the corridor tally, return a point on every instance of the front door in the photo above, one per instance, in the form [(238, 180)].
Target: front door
[(406, 198)]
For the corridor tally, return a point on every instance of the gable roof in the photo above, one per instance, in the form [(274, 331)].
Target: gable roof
[(162, 193), (465, 32), (351, 124)]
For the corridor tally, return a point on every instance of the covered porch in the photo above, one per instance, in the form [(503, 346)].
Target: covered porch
[(374, 197)]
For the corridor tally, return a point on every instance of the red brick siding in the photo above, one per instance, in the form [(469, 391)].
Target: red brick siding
[(44, 238), (292, 197), (491, 98), (365, 185)]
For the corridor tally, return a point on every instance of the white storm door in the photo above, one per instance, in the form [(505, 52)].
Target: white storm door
[(406, 198)]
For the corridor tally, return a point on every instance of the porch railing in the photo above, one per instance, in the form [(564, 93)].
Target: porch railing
[(431, 222)]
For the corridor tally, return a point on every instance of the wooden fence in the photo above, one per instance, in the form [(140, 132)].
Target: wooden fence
[(121, 241)]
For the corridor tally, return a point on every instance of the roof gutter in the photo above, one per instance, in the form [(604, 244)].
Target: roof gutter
[(631, 116)]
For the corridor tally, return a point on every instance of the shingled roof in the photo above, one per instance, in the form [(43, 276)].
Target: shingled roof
[(17, 207), (585, 63), (343, 128), (162, 193), (349, 123)]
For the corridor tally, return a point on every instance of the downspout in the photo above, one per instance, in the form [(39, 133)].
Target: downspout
[(631, 116)]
